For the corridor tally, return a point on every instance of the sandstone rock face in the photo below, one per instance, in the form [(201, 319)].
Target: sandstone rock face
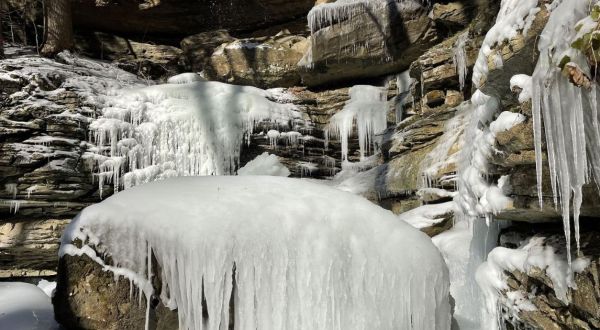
[(371, 44), (262, 62), (198, 48), (452, 15), (155, 62), (184, 17), (87, 297)]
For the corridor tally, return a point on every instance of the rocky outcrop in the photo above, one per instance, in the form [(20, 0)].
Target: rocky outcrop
[(184, 17), (263, 62), (375, 42), (83, 286), (550, 312), (154, 62)]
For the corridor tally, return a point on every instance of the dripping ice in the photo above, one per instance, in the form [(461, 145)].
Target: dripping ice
[(367, 109), (319, 265), (187, 127)]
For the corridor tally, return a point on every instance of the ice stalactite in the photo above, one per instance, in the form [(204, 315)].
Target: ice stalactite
[(460, 58), (367, 108), (567, 114), (307, 168), (190, 127), (403, 85), (318, 265)]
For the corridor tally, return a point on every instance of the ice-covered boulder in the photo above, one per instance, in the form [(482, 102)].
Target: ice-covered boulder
[(244, 250)]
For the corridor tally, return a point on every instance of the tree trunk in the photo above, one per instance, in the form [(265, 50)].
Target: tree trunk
[(1, 36), (59, 27)]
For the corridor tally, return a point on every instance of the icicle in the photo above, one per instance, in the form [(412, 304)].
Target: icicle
[(460, 58), (367, 108), (188, 128), (12, 189), (569, 115)]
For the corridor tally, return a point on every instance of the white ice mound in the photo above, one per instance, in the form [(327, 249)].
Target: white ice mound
[(302, 255), (25, 306), (264, 164)]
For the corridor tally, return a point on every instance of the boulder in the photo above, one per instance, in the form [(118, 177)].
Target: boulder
[(453, 15), (198, 48), (261, 62), (141, 58), (88, 297), (376, 41)]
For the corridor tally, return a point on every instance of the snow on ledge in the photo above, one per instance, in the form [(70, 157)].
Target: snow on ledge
[(306, 256)]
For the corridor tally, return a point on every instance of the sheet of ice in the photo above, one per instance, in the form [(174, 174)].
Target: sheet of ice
[(514, 16), (264, 164), (24, 306), (568, 115), (367, 108), (427, 215), (324, 263)]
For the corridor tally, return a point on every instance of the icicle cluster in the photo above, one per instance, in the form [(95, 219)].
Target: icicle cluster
[(569, 115), (367, 108), (189, 127), (318, 265)]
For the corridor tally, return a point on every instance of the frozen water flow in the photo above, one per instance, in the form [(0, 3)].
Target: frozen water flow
[(569, 115), (460, 58), (367, 108), (191, 127), (324, 263)]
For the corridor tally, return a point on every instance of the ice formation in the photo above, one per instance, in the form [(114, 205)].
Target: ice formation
[(367, 108), (514, 16), (25, 306), (476, 203), (532, 253), (524, 84), (441, 156), (264, 164), (427, 215), (307, 168), (190, 127), (460, 58), (403, 84), (569, 115), (318, 265)]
